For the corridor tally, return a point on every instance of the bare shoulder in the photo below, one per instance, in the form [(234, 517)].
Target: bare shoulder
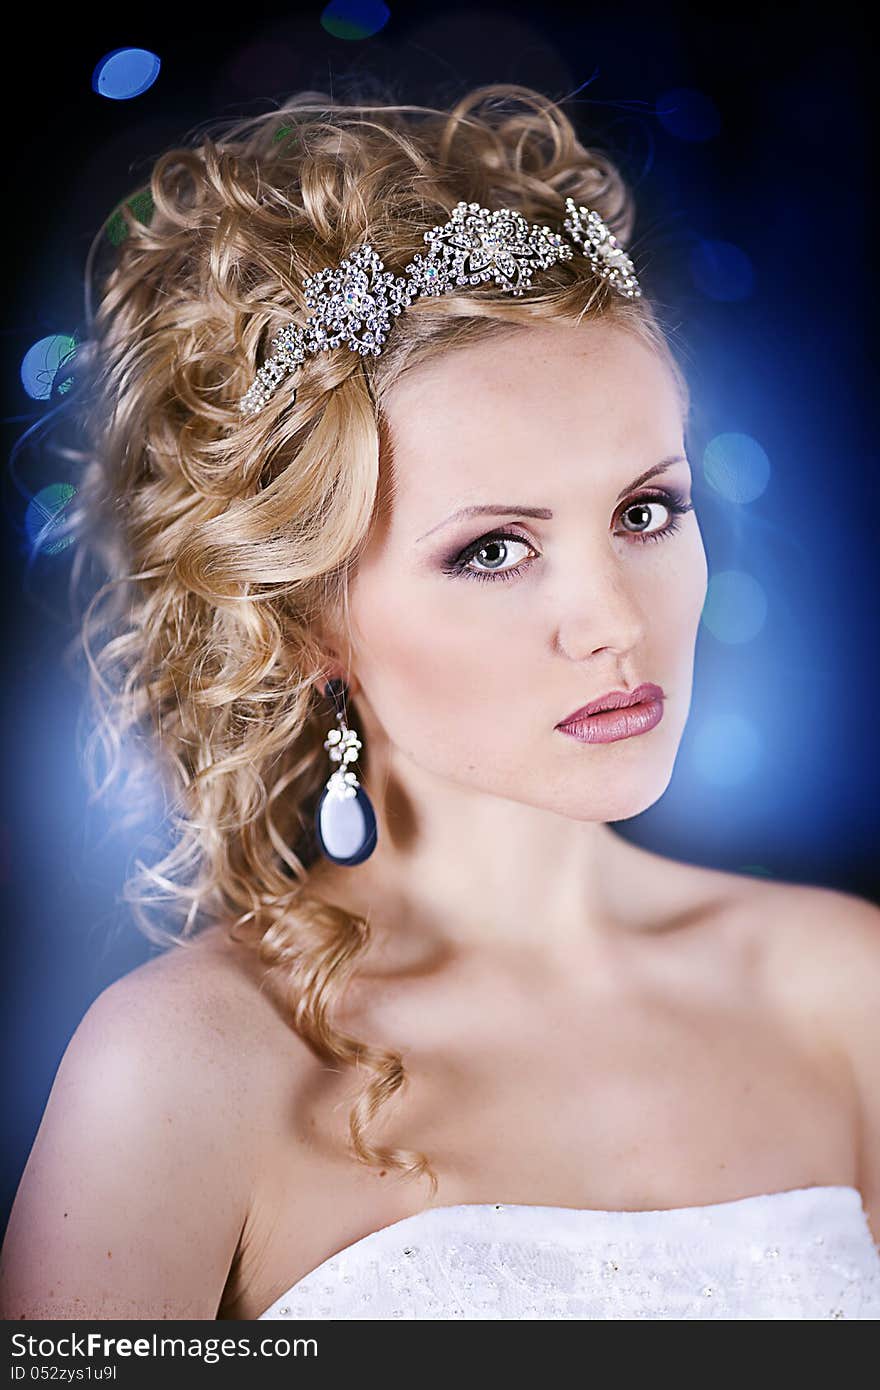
[(140, 1178), (821, 945), (810, 942), (201, 1017), (814, 954), (210, 989), (821, 960), (814, 951)]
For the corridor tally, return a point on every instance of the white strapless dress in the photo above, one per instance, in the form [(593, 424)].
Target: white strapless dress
[(803, 1253)]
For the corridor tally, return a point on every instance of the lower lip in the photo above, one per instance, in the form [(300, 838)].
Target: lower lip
[(613, 724)]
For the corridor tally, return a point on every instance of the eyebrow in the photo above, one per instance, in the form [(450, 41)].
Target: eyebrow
[(544, 513)]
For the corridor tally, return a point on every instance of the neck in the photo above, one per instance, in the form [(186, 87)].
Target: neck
[(458, 868)]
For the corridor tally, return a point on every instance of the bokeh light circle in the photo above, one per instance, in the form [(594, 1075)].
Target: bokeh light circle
[(722, 271), (736, 466), (40, 364), (727, 750), (125, 73), (44, 513), (735, 609), (354, 19)]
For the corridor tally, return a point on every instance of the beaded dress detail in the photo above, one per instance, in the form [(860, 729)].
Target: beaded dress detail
[(803, 1253)]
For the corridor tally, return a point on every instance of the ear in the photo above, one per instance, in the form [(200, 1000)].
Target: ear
[(335, 671), (335, 659)]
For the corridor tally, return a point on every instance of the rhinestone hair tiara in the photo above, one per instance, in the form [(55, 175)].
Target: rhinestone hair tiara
[(354, 304)]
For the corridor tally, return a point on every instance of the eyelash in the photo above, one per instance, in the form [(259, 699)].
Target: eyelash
[(673, 500)]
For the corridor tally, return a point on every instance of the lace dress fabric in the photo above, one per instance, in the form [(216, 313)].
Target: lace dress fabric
[(803, 1253)]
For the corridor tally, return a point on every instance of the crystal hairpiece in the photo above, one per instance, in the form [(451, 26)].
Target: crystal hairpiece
[(355, 303)]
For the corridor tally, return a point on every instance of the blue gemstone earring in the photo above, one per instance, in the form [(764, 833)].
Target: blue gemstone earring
[(345, 821)]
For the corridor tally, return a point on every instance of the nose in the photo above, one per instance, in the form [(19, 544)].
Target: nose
[(604, 613)]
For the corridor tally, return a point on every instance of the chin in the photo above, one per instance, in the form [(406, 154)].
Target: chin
[(635, 790)]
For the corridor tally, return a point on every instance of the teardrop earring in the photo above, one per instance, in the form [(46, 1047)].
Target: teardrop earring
[(345, 821)]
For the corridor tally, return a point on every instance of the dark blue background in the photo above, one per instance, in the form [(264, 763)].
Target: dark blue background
[(786, 179)]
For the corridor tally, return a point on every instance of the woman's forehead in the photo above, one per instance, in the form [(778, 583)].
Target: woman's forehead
[(538, 400), (545, 367)]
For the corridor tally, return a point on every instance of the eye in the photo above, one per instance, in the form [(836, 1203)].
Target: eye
[(493, 550), (645, 510), (673, 502)]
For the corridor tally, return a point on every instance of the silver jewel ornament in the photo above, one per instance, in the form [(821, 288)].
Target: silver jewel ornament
[(477, 245), (345, 821), (601, 247), (354, 305)]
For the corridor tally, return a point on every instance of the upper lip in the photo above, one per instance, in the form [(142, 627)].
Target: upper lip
[(616, 699)]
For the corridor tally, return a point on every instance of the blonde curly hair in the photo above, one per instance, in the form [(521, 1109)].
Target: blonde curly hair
[(225, 542)]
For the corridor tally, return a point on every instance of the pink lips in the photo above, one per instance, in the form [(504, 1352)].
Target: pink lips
[(619, 714)]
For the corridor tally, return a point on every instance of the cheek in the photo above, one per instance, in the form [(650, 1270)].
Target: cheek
[(429, 657), (696, 570), (675, 591), (677, 605)]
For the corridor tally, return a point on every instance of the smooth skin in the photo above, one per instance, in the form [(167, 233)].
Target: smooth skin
[(584, 1023)]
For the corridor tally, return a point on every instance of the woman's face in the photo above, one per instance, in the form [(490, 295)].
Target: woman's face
[(473, 636)]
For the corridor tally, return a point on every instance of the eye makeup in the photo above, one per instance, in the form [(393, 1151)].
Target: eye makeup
[(674, 501)]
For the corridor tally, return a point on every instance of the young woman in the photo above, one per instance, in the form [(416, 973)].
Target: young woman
[(387, 470)]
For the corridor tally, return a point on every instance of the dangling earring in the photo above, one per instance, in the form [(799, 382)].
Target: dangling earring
[(345, 821)]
